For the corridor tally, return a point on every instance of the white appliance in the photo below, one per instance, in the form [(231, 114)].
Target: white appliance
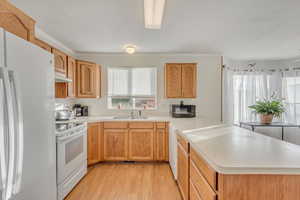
[(173, 150), (27, 142), (71, 157)]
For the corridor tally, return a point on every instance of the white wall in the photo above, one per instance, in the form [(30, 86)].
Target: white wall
[(209, 81)]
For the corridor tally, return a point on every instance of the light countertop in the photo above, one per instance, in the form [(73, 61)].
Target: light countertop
[(233, 150), (180, 124)]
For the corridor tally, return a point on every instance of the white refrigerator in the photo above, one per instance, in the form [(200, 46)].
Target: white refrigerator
[(27, 126)]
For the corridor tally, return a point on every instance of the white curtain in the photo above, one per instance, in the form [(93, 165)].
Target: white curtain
[(129, 81), (291, 95), (244, 88)]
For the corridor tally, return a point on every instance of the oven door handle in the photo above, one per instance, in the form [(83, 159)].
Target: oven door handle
[(71, 137)]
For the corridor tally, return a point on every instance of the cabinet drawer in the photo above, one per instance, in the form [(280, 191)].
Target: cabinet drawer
[(194, 195), (160, 125), (141, 125), (115, 125), (200, 183), (183, 142), (209, 174)]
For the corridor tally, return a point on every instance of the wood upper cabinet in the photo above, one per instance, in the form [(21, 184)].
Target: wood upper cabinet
[(42, 44), (60, 62), (64, 90), (173, 80), (16, 21), (183, 171), (141, 144), (189, 80), (71, 75), (95, 143), (88, 80), (115, 144), (181, 80)]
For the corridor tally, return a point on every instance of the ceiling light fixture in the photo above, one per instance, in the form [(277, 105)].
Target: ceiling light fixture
[(130, 49), (153, 12)]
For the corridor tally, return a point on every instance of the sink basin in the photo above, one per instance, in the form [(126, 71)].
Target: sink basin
[(129, 117)]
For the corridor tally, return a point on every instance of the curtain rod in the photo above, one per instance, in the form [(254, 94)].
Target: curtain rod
[(252, 69)]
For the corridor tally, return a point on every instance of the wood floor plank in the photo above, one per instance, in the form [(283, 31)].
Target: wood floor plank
[(127, 181)]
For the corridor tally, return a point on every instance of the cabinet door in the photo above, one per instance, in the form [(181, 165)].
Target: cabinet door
[(60, 62), (72, 76), (95, 143), (189, 80), (115, 144), (173, 80), (61, 90), (141, 145), (88, 80), (183, 172), (161, 145), (194, 195)]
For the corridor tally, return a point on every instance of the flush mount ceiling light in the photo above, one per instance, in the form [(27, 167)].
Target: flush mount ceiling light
[(130, 49), (153, 11)]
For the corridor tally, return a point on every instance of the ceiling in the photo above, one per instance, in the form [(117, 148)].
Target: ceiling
[(240, 29)]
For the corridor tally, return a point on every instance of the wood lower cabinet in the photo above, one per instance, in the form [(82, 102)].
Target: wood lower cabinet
[(115, 144), (128, 141), (162, 144), (95, 143), (181, 80), (141, 144), (88, 80), (207, 184), (183, 170)]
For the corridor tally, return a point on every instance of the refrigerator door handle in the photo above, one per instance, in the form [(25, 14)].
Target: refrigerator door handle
[(3, 165), (19, 134), (11, 134)]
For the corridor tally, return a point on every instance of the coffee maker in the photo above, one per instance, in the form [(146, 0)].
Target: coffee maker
[(81, 111)]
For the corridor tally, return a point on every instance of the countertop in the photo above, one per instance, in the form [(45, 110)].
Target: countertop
[(234, 150), (180, 124)]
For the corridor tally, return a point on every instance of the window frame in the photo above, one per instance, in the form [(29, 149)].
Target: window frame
[(133, 97)]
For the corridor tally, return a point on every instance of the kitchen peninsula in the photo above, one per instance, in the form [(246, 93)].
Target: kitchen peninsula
[(231, 163)]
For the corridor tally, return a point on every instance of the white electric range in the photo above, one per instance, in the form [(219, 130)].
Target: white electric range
[(71, 150)]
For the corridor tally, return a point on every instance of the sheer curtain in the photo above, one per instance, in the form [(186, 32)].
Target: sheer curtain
[(291, 95), (244, 88)]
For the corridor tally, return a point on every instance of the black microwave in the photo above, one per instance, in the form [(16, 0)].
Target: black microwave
[(183, 111)]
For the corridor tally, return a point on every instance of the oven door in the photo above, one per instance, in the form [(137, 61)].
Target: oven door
[(71, 153)]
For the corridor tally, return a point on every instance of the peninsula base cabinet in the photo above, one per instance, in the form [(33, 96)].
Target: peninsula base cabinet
[(204, 183), (183, 167), (128, 141)]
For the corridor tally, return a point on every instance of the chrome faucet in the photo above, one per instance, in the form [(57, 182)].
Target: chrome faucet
[(140, 113), (132, 114)]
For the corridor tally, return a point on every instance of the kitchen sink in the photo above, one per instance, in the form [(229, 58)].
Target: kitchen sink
[(129, 117)]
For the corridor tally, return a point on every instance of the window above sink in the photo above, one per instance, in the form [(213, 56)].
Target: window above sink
[(132, 88)]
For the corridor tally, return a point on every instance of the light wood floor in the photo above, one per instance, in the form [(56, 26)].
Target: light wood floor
[(127, 181)]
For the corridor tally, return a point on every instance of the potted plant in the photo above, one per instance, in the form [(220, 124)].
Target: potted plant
[(268, 108)]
